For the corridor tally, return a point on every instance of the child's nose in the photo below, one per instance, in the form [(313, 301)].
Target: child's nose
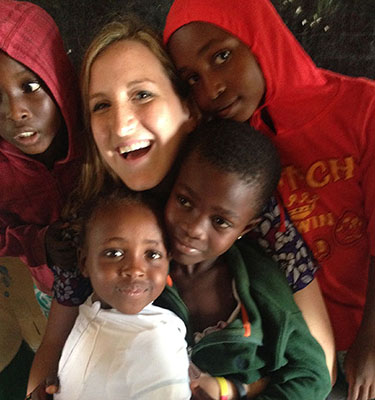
[(133, 268), (213, 86), (196, 228), (17, 109)]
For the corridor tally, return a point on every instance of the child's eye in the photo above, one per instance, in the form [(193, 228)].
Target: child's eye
[(222, 56), (100, 106), (113, 253), (192, 80), (184, 201), (30, 87), (153, 255), (221, 223)]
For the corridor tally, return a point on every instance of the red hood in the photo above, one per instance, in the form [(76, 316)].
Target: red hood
[(292, 78), (29, 35)]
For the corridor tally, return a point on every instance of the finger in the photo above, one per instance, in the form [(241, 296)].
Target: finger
[(200, 394), (353, 391), (371, 392), (363, 393)]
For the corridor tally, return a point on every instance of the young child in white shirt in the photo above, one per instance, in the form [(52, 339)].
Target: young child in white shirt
[(121, 345)]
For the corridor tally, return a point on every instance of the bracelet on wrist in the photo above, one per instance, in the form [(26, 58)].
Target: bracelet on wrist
[(223, 384), (241, 390)]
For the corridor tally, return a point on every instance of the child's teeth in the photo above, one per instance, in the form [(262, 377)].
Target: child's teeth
[(26, 134), (134, 146)]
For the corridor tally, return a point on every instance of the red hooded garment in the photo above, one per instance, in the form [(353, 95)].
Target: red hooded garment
[(325, 132), (31, 195)]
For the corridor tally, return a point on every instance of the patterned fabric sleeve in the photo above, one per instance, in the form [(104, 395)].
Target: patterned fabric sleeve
[(70, 287), (279, 237)]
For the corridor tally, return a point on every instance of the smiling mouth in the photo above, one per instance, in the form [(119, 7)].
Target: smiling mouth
[(132, 290), (185, 248), (227, 111), (135, 150)]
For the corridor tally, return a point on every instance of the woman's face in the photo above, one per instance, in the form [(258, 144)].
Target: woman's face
[(137, 120)]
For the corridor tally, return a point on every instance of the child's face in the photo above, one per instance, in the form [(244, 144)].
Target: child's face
[(29, 118), (207, 210), (125, 257), (225, 78), (137, 119)]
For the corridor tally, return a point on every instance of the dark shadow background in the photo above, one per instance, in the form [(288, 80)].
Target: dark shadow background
[(338, 34)]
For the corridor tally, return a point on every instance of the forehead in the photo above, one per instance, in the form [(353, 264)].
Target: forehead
[(215, 187), (127, 57), (124, 220), (197, 37), (10, 66)]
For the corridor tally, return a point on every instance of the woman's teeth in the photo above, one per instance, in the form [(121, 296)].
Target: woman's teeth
[(125, 150)]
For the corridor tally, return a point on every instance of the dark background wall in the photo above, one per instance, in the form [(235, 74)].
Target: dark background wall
[(338, 34)]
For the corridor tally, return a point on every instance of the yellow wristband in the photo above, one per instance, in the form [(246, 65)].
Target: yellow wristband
[(223, 384)]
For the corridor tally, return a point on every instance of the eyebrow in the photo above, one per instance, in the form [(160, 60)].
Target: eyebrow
[(201, 51), (121, 239), (219, 210), (129, 85)]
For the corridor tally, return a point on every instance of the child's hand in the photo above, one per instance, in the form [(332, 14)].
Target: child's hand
[(200, 394), (60, 246), (360, 368), (45, 390)]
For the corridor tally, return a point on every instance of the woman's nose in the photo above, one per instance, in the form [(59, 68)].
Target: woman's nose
[(124, 121)]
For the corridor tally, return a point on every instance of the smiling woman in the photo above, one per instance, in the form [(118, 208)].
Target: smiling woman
[(135, 108)]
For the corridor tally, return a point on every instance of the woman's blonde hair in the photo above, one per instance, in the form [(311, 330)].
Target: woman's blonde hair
[(96, 174)]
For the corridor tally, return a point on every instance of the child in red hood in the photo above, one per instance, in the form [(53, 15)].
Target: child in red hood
[(39, 158), (322, 124)]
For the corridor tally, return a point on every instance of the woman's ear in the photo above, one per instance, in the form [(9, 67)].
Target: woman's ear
[(82, 262), (250, 226)]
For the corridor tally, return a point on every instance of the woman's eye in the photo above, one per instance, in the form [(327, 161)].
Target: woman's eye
[(221, 222), (30, 87), (100, 106), (183, 201), (113, 253), (143, 95), (222, 57), (153, 255)]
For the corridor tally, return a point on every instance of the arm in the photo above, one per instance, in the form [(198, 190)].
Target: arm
[(279, 237), (310, 302), (360, 359), (22, 240), (60, 322), (304, 374)]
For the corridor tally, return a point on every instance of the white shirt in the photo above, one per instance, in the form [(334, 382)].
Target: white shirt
[(110, 355)]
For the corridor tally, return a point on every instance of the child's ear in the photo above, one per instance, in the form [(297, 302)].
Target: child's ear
[(250, 225), (81, 255), (195, 115)]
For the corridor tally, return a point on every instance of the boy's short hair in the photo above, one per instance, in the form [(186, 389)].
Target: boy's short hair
[(118, 197), (238, 148)]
